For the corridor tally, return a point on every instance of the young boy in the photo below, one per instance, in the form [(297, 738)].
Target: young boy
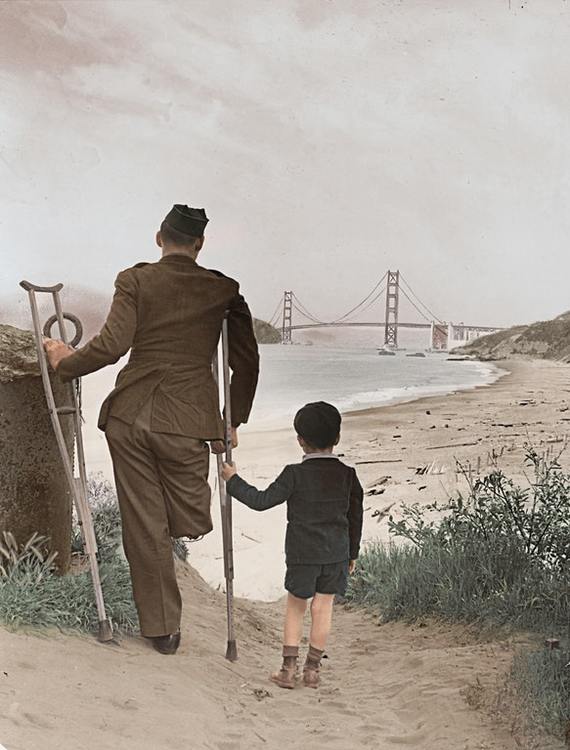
[(324, 527)]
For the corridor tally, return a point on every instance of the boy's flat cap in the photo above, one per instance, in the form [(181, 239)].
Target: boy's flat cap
[(318, 423)]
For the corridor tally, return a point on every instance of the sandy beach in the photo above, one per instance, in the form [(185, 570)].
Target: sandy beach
[(388, 446), (383, 687)]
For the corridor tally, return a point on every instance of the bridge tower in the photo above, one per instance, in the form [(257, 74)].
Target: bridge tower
[(392, 304), (287, 315)]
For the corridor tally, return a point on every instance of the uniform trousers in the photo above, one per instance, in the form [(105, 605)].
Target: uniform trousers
[(163, 492)]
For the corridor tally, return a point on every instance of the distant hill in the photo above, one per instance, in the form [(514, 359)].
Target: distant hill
[(91, 308), (548, 339), (265, 333)]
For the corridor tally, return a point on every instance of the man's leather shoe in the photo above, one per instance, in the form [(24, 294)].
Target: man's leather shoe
[(166, 644)]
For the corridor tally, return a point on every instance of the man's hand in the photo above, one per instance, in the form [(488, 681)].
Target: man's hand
[(351, 567), (219, 446), (56, 351), (228, 471)]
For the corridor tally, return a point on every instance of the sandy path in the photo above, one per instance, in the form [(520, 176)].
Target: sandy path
[(383, 687)]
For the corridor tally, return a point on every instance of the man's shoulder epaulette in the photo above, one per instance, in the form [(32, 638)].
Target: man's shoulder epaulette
[(221, 275), (129, 275), (130, 269), (217, 273)]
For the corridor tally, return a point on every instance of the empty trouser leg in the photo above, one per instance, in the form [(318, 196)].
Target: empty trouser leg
[(183, 464), (146, 536)]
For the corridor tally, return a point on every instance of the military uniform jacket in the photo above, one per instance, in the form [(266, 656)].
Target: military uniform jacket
[(170, 314)]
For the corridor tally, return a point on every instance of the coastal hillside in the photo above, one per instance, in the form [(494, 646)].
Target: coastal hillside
[(265, 333), (548, 339)]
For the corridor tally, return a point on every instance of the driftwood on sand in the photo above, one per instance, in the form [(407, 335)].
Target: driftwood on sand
[(34, 495)]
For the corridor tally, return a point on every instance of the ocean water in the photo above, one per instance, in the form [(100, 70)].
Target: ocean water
[(353, 378), (290, 376)]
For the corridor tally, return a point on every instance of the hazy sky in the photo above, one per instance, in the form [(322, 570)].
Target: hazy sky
[(328, 141)]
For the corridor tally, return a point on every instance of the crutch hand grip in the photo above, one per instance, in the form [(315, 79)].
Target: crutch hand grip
[(29, 287)]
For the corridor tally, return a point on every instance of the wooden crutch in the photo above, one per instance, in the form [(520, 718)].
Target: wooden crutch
[(225, 497), (77, 485)]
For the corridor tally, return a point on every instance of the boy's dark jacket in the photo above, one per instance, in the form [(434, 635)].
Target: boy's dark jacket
[(170, 314), (324, 509)]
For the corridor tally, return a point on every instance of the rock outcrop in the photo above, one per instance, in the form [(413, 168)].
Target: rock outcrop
[(34, 494)]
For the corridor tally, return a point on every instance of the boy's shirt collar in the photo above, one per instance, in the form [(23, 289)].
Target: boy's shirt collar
[(308, 456)]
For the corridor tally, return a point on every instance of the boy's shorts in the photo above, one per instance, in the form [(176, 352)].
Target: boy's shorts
[(304, 581)]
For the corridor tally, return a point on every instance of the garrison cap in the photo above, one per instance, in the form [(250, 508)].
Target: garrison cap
[(191, 221), (318, 423)]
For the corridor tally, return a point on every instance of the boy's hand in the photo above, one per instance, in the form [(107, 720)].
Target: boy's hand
[(228, 471), (351, 566)]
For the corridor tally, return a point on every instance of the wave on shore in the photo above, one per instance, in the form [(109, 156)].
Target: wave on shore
[(355, 380)]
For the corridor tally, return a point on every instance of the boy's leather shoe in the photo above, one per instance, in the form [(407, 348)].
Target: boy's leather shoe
[(311, 677), (166, 644)]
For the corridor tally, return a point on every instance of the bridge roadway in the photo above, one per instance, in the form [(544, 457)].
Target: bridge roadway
[(443, 326)]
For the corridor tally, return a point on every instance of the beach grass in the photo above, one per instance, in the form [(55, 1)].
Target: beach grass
[(541, 678), (497, 556), (33, 595)]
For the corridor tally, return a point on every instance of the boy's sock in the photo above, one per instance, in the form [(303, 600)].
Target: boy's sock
[(290, 656)]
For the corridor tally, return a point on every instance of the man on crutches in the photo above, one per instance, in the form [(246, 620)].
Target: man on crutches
[(165, 406)]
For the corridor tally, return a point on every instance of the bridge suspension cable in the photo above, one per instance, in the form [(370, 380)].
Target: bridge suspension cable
[(411, 301), (433, 315), (304, 311), (275, 317), (309, 317), (363, 309), (363, 305), (372, 301), (362, 302)]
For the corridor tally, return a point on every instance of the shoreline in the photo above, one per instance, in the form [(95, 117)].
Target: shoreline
[(502, 373), (266, 424), (414, 445), (96, 387)]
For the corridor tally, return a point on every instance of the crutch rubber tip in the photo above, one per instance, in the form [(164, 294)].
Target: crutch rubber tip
[(231, 651), (105, 631)]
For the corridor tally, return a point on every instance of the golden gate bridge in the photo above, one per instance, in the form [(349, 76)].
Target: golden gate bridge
[(443, 334)]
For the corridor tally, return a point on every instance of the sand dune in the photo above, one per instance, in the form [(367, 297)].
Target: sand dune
[(383, 687)]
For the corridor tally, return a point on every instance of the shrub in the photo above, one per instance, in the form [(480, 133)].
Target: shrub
[(499, 554)]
